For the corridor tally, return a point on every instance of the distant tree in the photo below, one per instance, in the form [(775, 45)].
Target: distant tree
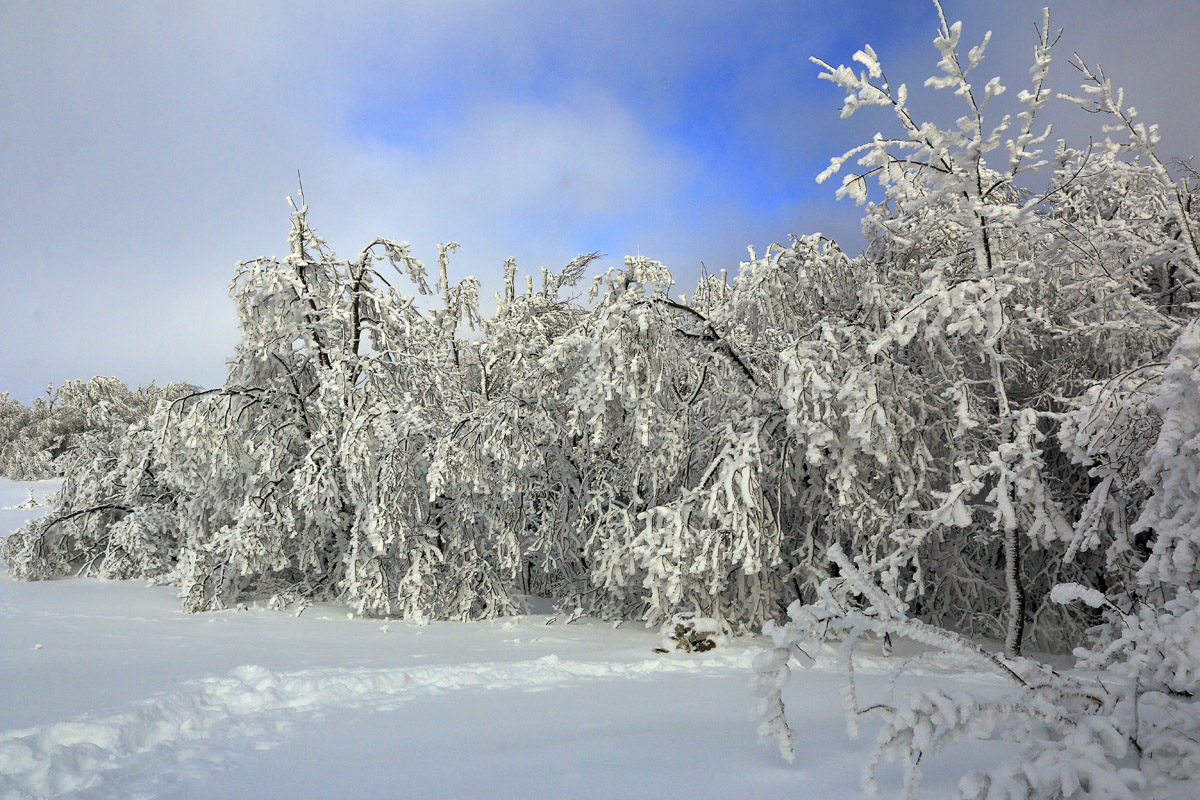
[(108, 518), (37, 441)]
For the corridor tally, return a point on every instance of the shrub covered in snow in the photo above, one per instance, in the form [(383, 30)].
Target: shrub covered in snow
[(692, 634), (1079, 736), (29, 502)]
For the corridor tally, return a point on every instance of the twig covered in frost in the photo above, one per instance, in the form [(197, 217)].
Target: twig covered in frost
[(1076, 735)]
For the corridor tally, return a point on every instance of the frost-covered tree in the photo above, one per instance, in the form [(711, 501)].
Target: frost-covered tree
[(24, 455), (680, 505), (970, 262), (36, 440), (963, 408), (294, 492), (1077, 429), (1077, 737), (1003, 301), (1172, 470), (325, 466), (112, 515)]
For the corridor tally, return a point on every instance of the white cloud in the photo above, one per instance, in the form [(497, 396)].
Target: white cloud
[(146, 148)]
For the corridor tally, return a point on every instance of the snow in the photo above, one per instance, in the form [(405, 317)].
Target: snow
[(1065, 593), (108, 690)]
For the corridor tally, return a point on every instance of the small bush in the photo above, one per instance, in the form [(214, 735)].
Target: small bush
[(692, 634)]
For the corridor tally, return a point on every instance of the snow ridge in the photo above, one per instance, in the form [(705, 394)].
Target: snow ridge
[(172, 734)]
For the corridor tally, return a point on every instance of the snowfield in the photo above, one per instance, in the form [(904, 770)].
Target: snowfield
[(110, 691)]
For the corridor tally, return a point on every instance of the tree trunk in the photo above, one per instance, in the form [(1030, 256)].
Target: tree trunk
[(1015, 627), (1016, 593)]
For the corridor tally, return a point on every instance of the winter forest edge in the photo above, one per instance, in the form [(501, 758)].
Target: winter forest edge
[(985, 427)]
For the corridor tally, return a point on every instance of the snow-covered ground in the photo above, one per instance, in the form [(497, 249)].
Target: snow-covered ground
[(107, 690)]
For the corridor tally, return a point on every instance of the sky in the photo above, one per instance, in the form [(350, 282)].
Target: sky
[(146, 148)]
